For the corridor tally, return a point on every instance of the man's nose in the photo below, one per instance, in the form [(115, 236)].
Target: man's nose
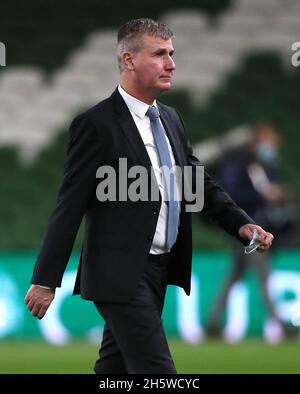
[(170, 64)]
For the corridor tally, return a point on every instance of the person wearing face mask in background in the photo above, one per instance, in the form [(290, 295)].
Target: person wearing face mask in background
[(251, 176)]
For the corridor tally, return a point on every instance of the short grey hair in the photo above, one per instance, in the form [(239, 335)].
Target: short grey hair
[(130, 35)]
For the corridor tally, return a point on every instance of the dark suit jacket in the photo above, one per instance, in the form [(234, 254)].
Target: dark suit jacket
[(119, 234)]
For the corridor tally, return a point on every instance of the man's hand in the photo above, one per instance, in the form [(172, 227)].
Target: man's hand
[(38, 300), (265, 238)]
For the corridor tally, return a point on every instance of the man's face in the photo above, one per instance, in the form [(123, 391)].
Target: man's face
[(153, 65)]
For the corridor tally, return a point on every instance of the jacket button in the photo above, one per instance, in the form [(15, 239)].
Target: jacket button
[(155, 211)]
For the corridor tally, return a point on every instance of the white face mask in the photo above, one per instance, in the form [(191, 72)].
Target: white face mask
[(267, 153)]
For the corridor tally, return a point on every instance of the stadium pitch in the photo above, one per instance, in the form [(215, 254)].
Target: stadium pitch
[(213, 357)]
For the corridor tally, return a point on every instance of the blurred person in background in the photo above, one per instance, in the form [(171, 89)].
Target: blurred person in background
[(132, 250), (251, 176)]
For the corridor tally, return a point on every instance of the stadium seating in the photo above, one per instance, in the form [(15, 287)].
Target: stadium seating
[(223, 62)]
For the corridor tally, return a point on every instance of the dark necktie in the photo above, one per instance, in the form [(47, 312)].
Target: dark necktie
[(169, 176)]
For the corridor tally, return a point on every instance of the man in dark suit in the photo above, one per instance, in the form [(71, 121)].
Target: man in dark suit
[(132, 249)]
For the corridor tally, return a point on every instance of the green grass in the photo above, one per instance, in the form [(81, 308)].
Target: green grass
[(251, 356)]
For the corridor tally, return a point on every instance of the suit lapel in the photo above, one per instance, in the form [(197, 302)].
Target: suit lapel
[(130, 131), (132, 134)]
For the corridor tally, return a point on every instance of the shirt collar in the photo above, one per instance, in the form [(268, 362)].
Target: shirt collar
[(136, 106)]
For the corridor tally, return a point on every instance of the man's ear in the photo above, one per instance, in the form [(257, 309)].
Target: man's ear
[(127, 58)]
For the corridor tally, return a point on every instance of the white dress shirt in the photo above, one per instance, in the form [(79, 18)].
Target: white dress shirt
[(138, 111)]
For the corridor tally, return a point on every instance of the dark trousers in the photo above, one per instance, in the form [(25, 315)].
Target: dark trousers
[(134, 340)]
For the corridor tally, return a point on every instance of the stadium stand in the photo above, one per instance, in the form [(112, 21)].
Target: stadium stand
[(222, 62), (202, 67)]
